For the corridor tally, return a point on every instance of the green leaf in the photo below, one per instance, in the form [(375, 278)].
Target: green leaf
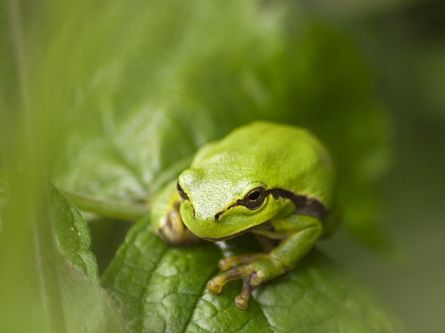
[(160, 288), (77, 273), (86, 306), (73, 236), (3, 196)]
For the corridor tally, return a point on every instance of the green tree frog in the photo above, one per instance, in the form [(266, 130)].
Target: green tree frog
[(275, 181)]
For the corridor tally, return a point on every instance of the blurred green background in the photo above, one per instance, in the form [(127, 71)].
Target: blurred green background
[(404, 41), (65, 65)]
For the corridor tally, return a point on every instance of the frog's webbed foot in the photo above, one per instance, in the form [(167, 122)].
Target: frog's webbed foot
[(253, 269), (173, 230)]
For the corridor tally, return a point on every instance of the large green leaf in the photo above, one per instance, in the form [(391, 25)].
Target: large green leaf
[(159, 288)]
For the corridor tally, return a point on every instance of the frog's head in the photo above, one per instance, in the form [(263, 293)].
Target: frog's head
[(218, 206)]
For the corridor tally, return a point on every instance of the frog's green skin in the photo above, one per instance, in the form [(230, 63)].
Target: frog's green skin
[(273, 180)]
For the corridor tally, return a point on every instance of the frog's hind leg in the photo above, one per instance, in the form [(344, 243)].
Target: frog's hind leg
[(242, 300), (254, 270), (229, 262)]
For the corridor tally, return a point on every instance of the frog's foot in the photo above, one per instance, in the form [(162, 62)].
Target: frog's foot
[(253, 269), (173, 231)]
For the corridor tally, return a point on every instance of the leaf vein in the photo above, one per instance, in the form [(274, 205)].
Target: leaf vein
[(144, 293), (200, 294)]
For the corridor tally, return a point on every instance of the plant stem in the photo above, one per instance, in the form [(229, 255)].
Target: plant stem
[(111, 209)]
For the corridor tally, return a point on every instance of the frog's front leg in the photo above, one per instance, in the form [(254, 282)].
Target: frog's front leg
[(173, 230), (166, 219), (303, 232)]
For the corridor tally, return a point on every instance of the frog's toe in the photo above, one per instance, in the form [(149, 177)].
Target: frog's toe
[(244, 272), (216, 284), (242, 300), (252, 269)]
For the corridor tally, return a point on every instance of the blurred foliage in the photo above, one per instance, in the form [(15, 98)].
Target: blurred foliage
[(196, 87), (49, 273), (113, 98), (73, 236)]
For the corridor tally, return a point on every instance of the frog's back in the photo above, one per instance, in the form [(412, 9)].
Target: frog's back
[(280, 156)]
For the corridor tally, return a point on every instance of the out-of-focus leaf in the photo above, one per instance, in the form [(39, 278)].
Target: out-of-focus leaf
[(61, 291), (167, 94), (72, 236), (3, 196), (150, 107), (85, 305), (333, 96), (159, 288)]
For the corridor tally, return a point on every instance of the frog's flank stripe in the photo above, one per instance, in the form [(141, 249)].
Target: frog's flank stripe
[(304, 204)]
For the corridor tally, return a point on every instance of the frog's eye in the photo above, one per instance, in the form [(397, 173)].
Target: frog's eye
[(181, 192), (254, 198)]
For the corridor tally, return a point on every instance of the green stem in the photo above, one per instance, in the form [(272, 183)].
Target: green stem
[(111, 209)]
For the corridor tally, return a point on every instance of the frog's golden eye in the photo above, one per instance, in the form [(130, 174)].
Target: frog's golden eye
[(181, 192), (254, 198)]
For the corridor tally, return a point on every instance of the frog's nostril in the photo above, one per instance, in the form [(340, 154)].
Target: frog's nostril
[(218, 215), (193, 209)]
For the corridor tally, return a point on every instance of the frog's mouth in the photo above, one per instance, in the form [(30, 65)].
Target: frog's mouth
[(211, 239), (211, 229)]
